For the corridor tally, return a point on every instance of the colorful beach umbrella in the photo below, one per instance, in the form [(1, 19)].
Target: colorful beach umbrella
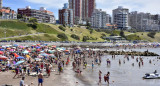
[(3, 58), (25, 52), (1, 52), (19, 62), (20, 57)]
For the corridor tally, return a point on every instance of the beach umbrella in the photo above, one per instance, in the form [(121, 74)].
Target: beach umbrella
[(44, 54), (53, 56), (2, 49), (1, 52), (25, 52), (20, 57), (16, 55), (3, 58), (19, 62), (15, 45), (37, 59), (38, 50), (66, 50), (54, 46), (28, 56)]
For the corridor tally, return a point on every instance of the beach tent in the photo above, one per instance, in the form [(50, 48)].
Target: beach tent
[(3, 58), (19, 62), (20, 57)]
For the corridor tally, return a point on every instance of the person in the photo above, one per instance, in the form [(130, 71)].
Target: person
[(92, 64), (40, 79), (100, 73), (16, 70), (106, 77), (22, 81), (155, 71)]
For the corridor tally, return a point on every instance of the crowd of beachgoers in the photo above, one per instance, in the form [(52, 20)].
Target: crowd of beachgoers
[(39, 60)]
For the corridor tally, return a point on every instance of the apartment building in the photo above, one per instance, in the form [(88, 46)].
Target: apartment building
[(120, 17), (82, 10), (66, 16), (99, 19), (7, 13), (42, 15)]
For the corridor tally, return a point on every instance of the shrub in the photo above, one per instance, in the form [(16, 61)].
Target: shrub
[(62, 36), (103, 36), (75, 37), (122, 34), (151, 34), (91, 30), (62, 28), (85, 38)]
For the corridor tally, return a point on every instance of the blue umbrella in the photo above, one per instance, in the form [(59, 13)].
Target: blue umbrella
[(20, 57), (15, 45), (19, 62), (2, 49)]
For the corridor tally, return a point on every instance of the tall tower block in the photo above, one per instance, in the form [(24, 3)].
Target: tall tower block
[(1, 4)]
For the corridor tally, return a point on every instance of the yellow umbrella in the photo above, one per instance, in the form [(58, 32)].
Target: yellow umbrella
[(28, 56)]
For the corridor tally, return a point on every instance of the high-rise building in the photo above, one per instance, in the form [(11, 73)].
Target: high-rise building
[(99, 19), (42, 15), (144, 21), (66, 16), (82, 9), (120, 17), (1, 4)]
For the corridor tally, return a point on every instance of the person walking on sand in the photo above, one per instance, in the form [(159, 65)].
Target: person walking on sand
[(40, 79), (22, 81)]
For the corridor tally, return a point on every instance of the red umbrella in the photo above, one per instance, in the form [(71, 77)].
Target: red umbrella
[(3, 58), (66, 50), (1, 52)]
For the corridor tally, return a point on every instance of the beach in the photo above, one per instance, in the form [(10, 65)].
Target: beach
[(124, 74)]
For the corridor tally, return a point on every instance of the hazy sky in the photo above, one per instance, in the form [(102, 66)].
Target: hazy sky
[(151, 6)]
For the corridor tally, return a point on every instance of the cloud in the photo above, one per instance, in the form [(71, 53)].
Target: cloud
[(132, 5), (54, 4), (108, 5)]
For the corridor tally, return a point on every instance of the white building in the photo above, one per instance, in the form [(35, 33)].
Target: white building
[(144, 21), (99, 19), (120, 17), (7, 13)]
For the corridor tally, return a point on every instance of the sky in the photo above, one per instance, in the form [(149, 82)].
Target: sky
[(151, 6)]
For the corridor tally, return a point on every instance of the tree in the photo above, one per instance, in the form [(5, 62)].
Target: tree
[(62, 36), (61, 28), (33, 20), (85, 38), (19, 16), (122, 34), (151, 34), (75, 36)]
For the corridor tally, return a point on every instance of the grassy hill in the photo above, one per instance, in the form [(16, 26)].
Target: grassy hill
[(17, 28)]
